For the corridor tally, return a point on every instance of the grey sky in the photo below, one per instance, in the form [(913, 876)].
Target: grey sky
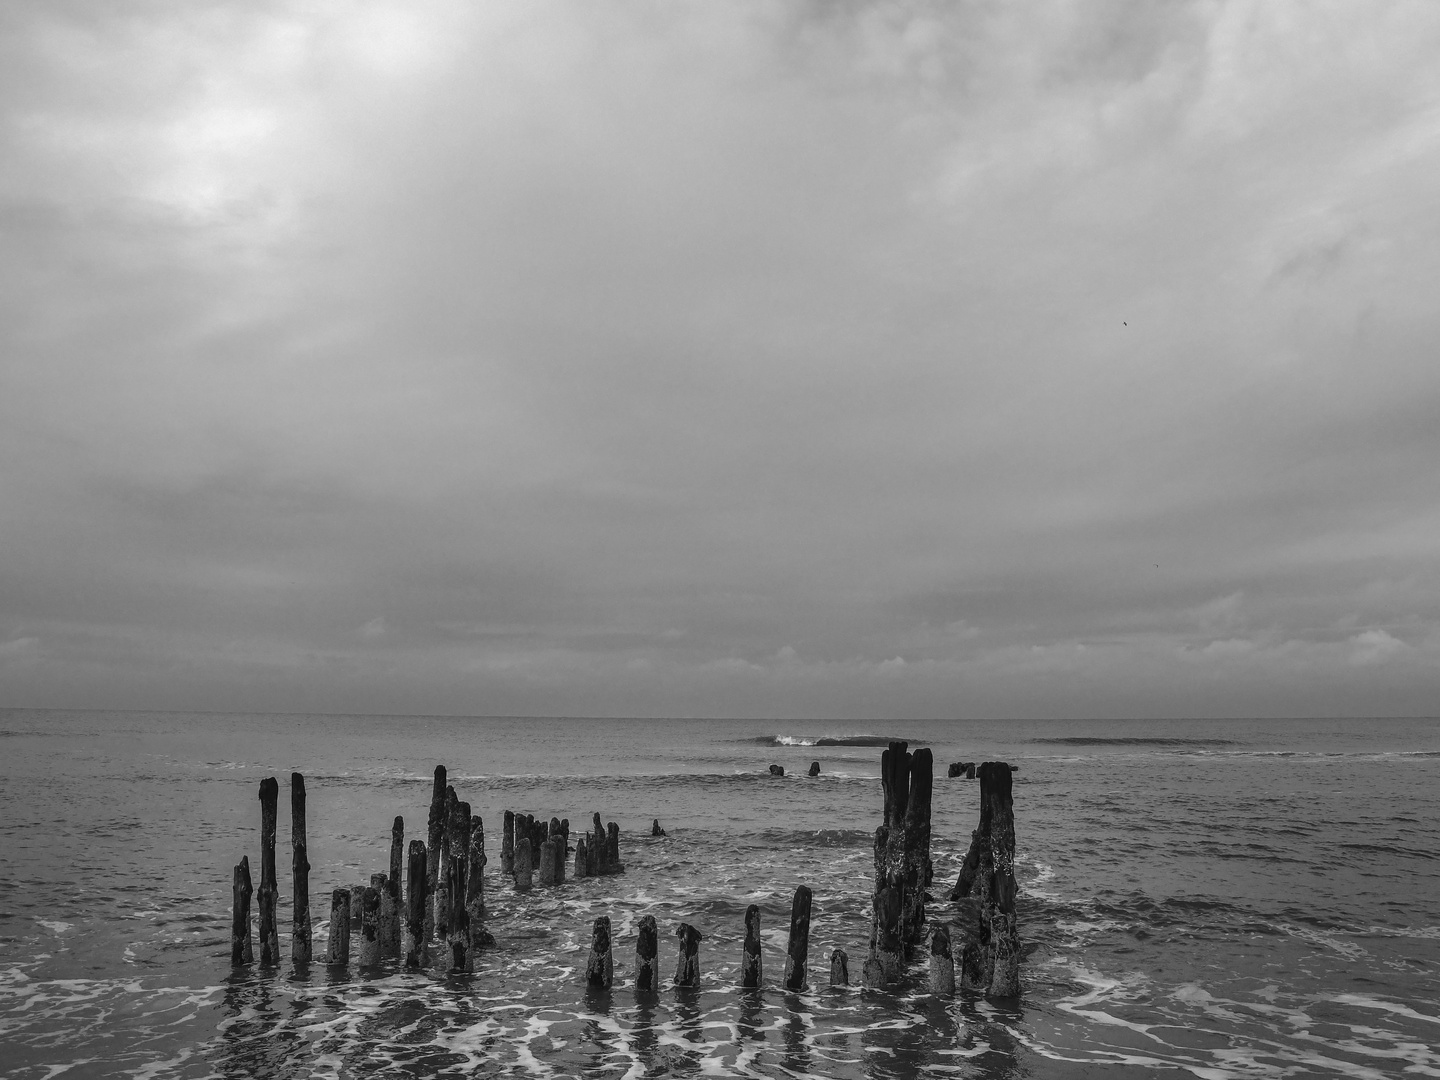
[(721, 359)]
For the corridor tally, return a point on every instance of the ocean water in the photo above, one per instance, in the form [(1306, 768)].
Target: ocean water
[(1201, 898)]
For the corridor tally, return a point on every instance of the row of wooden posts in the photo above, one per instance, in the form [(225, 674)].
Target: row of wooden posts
[(443, 899)]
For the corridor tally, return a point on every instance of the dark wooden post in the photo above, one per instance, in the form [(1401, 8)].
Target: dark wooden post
[(523, 865), (839, 968), (457, 921), (435, 831), (300, 872), (917, 847), (547, 861), (942, 964), (269, 890), (799, 943), (597, 847), (889, 948), (397, 858), (416, 906), (687, 966), (370, 928), (241, 951), (475, 883), (750, 974), (507, 843), (647, 948), (612, 850), (581, 858), (337, 950), (600, 968), (386, 914), (1004, 938), (357, 904)]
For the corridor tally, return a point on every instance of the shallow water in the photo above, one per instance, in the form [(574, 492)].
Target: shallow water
[(1218, 898)]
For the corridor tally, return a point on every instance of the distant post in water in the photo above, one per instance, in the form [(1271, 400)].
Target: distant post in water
[(600, 967), (523, 869), (507, 843), (750, 973), (337, 950), (647, 948), (416, 906), (241, 950), (687, 965), (269, 890), (436, 831), (580, 858), (597, 846), (942, 964), (799, 945), (839, 968), (612, 849)]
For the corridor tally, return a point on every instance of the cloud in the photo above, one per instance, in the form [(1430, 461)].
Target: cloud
[(610, 352)]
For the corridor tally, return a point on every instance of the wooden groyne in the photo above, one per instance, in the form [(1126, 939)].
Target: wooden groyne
[(429, 909)]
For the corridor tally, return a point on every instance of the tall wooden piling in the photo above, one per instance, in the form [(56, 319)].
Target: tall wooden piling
[(597, 845), (300, 872), (547, 862), (507, 843), (647, 948), (581, 869), (269, 890), (357, 904), (917, 867), (370, 928), (337, 949), (799, 943), (600, 967), (687, 964), (457, 921), (435, 833), (475, 883), (942, 964), (995, 786), (612, 849), (750, 973), (387, 918), (416, 905), (241, 950), (397, 857), (523, 867), (839, 968), (558, 839)]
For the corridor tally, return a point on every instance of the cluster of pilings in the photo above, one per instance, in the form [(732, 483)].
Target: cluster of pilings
[(532, 848), (902, 863)]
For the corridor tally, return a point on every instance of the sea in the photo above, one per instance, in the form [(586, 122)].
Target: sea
[(1208, 898)]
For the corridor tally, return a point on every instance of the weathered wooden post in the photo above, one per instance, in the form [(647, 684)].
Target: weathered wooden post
[(647, 948), (523, 869), (750, 974), (397, 857), (357, 904), (416, 951), (558, 839), (300, 873), (889, 948), (337, 950), (547, 862), (917, 867), (457, 922), (799, 942), (581, 858), (507, 843), (597, 846), (839, 968), (388, 916), (269, 890), (1004, 934), (942, 964), (612, 850), (687, 966), (370, 928), (435, 833), (241, 951), (600, 968), (475, 881)]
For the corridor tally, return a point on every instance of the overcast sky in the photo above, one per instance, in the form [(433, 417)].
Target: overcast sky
[(727, 359)]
